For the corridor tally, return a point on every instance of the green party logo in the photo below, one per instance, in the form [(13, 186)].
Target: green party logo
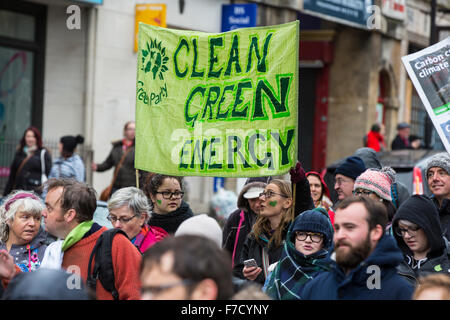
[(154, 59), (438, 268)]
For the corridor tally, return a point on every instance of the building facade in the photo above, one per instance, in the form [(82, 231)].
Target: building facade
[(69, 67)]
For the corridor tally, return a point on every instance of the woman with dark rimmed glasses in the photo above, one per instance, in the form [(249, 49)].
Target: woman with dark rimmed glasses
[(167, 205), (419, 235), (305, 255)]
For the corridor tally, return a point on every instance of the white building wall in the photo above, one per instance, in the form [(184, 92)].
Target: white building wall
[(64, 76), (90, 75)]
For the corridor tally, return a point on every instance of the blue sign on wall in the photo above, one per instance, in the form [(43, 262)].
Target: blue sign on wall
[(90, 1), (219, 182), (236, 16), (353, 11)]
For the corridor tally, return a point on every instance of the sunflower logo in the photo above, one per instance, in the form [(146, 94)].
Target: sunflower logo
[(154, 59)]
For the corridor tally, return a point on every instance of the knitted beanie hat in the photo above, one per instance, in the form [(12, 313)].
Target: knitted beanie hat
[(315, 221), (377, 181), (441, 160), (351, 167), (201, 225), (70, 142)]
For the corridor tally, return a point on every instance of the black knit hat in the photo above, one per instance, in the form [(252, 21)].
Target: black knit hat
[(70, 142), (315, 220), (351, 167)]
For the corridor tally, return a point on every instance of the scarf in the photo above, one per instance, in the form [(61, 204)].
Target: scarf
[(294, 270), (147, 237), (54, 253), (76, 234), (172, 220)]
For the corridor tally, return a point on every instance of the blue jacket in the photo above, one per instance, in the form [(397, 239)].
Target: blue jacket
[(335, 285), (72, 167)]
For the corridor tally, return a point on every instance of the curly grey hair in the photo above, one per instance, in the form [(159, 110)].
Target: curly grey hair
[(131, 197), (30, 204)]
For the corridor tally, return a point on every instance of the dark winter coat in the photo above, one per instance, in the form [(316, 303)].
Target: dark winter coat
[(29, 177), (253, 247), (360, 283), (232, 224), (421, 211), (398, 144), (126, 176), (172, 220), (444, 215)]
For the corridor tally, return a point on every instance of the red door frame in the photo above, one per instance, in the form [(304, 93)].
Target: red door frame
[(319, 51)]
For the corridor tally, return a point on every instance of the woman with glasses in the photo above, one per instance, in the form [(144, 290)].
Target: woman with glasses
[(376, 184), (265, 242), (129, 210), (167, 205), (419, 235), (306, 254)]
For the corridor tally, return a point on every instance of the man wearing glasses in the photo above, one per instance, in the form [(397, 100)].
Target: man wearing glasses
[(345, 176), (365, 257), (186, 267), (69, 210), (419, 235)]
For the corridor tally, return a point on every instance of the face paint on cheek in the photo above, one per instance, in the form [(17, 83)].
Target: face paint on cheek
[(159, 201), (273, 203)]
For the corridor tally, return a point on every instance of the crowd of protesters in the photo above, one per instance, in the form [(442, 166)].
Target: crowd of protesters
[(286, 240)]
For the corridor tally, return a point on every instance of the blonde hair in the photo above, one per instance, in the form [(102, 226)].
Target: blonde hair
[(27, 201), (434, 281), (262, 224)]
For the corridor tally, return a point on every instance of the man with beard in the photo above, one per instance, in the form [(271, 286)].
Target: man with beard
[(365, 257)]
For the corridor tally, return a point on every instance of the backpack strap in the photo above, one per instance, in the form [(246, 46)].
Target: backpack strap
[(103, 269)]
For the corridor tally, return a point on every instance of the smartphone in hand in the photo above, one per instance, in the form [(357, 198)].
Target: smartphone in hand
[(250, 263)]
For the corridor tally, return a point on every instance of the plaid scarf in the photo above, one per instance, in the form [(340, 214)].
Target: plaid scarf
[(294, 270)]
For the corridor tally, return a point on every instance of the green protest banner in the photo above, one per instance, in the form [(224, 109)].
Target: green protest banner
[(222, 104)]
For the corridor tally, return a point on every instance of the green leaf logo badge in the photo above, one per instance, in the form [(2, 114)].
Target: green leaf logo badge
[(438, 268), (154, 59)]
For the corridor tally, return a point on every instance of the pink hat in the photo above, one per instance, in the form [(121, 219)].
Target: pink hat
[(377, 181)]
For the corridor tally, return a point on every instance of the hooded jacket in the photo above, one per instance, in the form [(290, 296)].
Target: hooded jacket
[(29, 257), (295, 269), (375, 278), (420, 210), (232, 224), (171, 221), (325, 201), (253, 247)]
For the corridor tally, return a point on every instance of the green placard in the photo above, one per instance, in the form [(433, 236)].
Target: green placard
[(222, 105)]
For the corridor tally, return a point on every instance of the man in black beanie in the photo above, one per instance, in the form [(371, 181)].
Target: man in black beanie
[(346, 174), (419, 235)]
